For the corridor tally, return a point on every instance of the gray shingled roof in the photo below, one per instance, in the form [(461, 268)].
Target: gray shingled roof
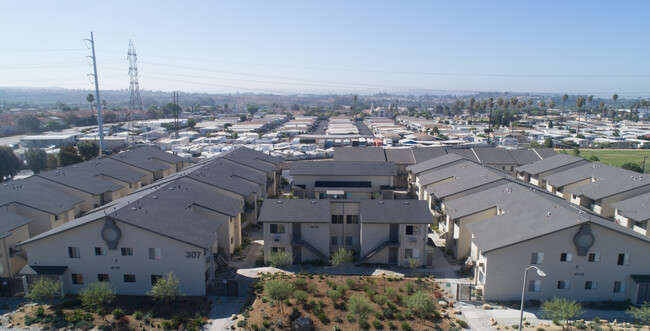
[(399, 156), (550, 163), (343, 168), (576, 174), (251, 158), (29, 193), (506, 196), (295, 211), (147, 158), (375, 154), (464, 152), (524, 156), (214, 175), (395, 211), (546, 215), (435, 163), (244, 152), (238, 170), (10, 221), (545, 152), (494, 156), (606, 180), (465, 176), (421, 154), (637, 208)]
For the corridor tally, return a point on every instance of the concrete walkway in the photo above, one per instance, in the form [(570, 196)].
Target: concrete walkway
[(222, 310)]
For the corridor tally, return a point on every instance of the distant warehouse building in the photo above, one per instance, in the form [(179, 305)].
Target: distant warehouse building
[(44, 141)]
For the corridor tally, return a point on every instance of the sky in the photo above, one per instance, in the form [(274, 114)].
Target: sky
[(576, 47)]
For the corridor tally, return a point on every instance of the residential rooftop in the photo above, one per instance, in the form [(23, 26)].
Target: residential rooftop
[(343, 168), (550, 163)]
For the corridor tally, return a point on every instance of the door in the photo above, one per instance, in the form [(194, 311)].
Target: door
[(392, 255), (644, 293), (394, 232), (297, 254), (296, 231), (429, 259)]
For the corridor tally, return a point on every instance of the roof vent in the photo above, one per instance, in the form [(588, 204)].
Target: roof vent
[(548, 214), (134, 209), (381, 202), (154, 197), (279, 201), (406, 202), (313, 202)]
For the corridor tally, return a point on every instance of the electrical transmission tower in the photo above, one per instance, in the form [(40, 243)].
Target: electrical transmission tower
[(134, 86)]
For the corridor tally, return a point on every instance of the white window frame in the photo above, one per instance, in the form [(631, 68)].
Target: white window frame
[(102, 251), (593, 283), (154, 253), (596, 257), (622, 286), (127, 250), (534, 285), (537, 258), (563, 284), (73, 252), (569, 257)]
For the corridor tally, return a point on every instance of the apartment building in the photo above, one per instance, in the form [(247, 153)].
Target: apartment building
[(597, 186), (416, 171), (536, 172), (585, 257), (377, 231), (343, 179), (634, 213), (152, 162), (271, 166), (13, 229)]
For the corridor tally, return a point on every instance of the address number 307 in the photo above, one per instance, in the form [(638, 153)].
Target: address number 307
[(192, 254)]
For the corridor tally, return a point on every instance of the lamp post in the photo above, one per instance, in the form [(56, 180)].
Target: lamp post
[(523, 292)]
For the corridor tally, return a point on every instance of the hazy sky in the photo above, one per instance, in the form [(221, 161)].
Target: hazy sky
[(586, 47)]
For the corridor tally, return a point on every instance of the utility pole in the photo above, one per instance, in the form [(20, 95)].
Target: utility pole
[(176, 111), (99, 102)]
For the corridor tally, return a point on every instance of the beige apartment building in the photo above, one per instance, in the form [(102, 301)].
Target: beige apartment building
[(377, 231)]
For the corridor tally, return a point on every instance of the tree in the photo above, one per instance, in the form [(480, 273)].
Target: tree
[(579, 103), (88, 149), (295, 107), (9, 163), (354, 103), (152, 113), (413, 264), (96, 296), (360, 306), (279, 290), (91, 98), (53, 126), (632, 167), (614, 98), (420, 304), (44, 289), (576, 151), (279, 259), (29, 123), (68, 155), (191, 123), (52, 162), (561, 309), (339, 257), (642, 313), (166, 289), (564, 98), (252, 109), (548, 142), (36, 159)]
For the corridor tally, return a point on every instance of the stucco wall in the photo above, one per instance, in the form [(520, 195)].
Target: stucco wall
[(309, 181)]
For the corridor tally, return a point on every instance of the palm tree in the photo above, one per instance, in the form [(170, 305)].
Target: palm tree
[(91, 98), (490, 104), (579, 103), (513, 102), (589, 99), (564, 98), (500, 102), (614, 97), (603, 109)]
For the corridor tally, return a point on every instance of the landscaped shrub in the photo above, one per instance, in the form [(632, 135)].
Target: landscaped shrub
[(350, 318), (266, 324), (240, 324), (138, 315), (410, 288), (40, 311), (117, 313), (370, 293), (342, 288), (377, 324), (406, 326), (295, 313), (350, 283), (300, 296), (391, 325), (323, 318), (301, 283), (334, 295), (380, 299), (391, 292), (464, 324), (363, 323), (311, 288)]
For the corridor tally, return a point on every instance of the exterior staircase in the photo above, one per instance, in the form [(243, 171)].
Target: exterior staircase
[(303, 243), (376, 250)]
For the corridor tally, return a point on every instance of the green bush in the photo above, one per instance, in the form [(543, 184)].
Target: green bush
[(350, 318), (342, 288), (138, 315), (391, 325), (334, 295), (301, 283), (40, 311), (377, 324), (406, 326), (464, 324), (241, 324), (350, 283), (380, 299), (295, 313), (300, 296), (391, 292), (266, 324), (363, 323), (323, 318), (117, 313), (410, 288)]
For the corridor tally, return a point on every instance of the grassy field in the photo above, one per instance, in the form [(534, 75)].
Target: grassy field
[(617, 157)]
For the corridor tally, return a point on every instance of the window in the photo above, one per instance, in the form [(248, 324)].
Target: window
[(129, 278), (334, 240), (73, 252), (566, 257), (337, 219), (619, 287), (537, 258), (350, 240), (57, 217), (232, 240), (127, 251), (100, 251), (277, 249), (591, 285), (623, 259), (154, 253), (413, 230), (534, 285), (353, 219), (593, 257), (77, 279), (277, 228), (155, 278), (563, 284), (2, 268), (102, 278), (412, 253)]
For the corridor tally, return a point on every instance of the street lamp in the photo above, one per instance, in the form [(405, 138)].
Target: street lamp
[(523, 292)]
